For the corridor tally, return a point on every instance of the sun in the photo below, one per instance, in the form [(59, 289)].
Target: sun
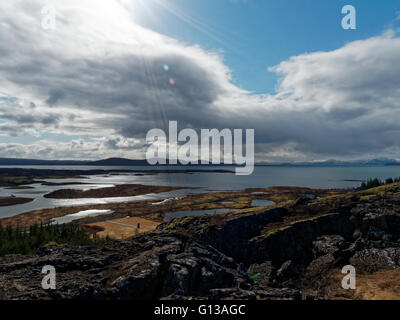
[(134, 6)]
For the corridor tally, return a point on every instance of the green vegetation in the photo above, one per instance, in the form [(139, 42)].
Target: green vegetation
[(19, 241), (373, 183)]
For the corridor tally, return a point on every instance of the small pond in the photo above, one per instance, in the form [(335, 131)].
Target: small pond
[(79, 215), (261, 203)]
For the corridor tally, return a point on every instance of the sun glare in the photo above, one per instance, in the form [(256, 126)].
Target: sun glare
[(135, 7)]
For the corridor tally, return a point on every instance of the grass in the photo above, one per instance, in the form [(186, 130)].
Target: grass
[(381, 285), (211, 201), (124, 228)]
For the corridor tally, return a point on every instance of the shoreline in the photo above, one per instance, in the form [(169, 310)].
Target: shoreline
[(122, 190), (12, 201), (194, 202), (10, 177)]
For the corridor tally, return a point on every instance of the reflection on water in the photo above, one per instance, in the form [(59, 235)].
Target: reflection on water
[(98, 187), (79, 215), (45, 203), (228, 202), (181, 214), (263, 176), (261, 203), (29, 192)]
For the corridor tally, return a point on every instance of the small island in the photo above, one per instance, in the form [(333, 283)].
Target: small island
[(123, 190), (11, 201)]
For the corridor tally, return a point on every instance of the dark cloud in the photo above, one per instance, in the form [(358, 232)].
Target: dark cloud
[(91, 79)]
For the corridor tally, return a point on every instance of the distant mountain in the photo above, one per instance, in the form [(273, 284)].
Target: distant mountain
[(118, 162), (35, 162), (130, 162), (104, 162), (337, 163)]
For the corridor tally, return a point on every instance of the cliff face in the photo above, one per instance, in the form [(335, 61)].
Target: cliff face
[(290, 251)]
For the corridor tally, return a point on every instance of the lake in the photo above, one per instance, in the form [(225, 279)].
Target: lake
[(263, 176)]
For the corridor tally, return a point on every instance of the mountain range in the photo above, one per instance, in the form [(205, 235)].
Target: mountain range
[(141, 162), (336, 163)]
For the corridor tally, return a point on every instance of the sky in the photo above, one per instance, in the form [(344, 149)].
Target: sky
[(111, 70)]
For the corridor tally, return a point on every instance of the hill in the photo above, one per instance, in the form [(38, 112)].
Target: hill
[(104, 162)]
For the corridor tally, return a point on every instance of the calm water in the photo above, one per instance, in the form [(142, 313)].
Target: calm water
[(329, 177), (79, 215), (261, 203)]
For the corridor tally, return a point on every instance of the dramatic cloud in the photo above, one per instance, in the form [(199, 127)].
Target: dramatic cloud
[(102, 77), (345, 101)]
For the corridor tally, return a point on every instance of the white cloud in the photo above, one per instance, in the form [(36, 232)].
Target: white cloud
[(101, 75)]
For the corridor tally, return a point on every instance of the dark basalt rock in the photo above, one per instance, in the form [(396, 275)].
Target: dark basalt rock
[(269, 254), (372, 260), (122, 270), (328, 245), (267, 294)]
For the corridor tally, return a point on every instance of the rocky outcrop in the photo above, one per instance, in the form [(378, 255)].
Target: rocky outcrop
[(373, 260), (150, 267), (275, 253)]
